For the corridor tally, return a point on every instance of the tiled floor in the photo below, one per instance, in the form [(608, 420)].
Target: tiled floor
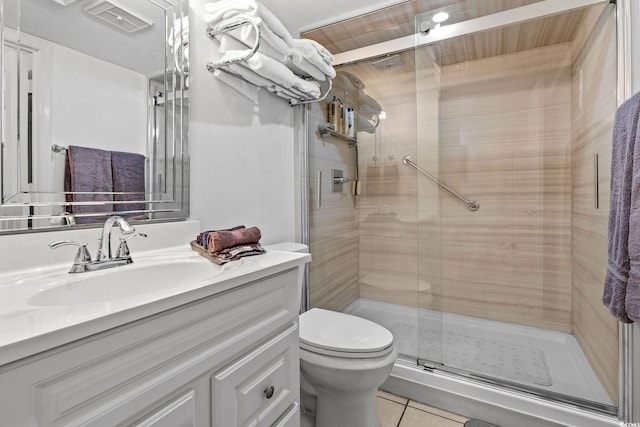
[(398, 411)]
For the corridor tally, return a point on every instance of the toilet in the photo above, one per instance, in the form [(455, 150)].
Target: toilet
[(343, 361)]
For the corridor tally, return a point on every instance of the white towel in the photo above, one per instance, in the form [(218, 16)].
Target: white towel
[(256, 77), (299, 65), (241, 86), (309, 45), (310, 53), (281, 75), (270, 43), (249, 75), (225, 9)]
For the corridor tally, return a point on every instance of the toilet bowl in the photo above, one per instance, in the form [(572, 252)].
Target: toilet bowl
[(343, 361)]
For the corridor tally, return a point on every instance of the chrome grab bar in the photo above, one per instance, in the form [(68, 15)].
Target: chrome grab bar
[(472, 205)]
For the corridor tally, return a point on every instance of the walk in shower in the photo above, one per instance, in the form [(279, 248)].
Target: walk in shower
[(476, 227)]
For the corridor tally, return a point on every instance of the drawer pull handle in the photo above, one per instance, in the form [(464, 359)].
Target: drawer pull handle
[(269, 392)]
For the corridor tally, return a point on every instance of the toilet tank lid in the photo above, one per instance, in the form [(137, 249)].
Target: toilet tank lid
[(288, 247), (342, 332)]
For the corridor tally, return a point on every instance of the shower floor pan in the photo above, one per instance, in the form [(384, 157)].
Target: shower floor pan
[(546, 360)]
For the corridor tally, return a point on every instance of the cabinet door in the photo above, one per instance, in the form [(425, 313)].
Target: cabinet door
[(178, 413), (291, 418), (260, 387)]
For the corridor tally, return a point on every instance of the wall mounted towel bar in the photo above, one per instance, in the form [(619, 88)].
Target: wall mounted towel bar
[(223, 65), (471, 204)]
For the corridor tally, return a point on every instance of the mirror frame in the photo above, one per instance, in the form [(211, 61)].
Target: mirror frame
[(167, 164)]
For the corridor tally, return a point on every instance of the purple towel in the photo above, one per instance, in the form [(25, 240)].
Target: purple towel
[(622, 282), (128, 177), (88, 170)]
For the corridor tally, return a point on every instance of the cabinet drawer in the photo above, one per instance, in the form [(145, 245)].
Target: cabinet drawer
[(291, 418), (258, 388), (178, 413)]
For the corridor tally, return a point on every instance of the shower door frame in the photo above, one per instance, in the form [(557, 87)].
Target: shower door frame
[(626, 13)]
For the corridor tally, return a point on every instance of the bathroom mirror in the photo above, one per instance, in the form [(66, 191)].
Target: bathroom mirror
[(105, 77)]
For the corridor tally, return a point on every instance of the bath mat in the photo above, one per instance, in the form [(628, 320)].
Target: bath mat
[(478, 423), (477, 354)]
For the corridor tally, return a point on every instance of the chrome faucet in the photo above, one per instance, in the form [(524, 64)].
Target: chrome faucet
[(83, 261), (104, 244)]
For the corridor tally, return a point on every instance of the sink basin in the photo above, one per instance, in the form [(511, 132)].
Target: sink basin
[(129, 281)]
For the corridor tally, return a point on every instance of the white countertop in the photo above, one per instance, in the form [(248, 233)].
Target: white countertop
[(27, 328)]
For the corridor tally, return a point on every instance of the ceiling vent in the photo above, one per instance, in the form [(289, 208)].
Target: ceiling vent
[(118, 16)]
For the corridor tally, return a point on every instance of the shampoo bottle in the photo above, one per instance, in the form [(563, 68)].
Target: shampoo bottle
[(333, 114), (350, 123)]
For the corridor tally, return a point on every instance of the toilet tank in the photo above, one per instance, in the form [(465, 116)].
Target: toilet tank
[(293, 247)]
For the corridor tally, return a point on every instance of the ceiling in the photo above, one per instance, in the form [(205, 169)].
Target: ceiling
[(401, 20), (301, 15), (339, 25), (73, 27)]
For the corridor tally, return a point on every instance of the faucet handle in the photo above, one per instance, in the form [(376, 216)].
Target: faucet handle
[(123, 248), (82, 256)]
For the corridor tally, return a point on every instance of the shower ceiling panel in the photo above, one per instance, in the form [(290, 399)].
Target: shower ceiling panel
[(398, 21)]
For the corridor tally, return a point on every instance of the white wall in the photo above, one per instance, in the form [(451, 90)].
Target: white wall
[(93, 104), (242, 155)]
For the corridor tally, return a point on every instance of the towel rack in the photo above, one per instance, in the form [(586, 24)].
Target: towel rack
[(212, 32), (213, 66), (55, 148), (472, 205)]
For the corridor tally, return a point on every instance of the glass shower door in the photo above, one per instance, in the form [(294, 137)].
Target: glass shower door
[(425, 161), (519, 127)]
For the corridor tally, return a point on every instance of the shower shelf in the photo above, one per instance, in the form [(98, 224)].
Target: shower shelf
[(326, 131), (272, 86)]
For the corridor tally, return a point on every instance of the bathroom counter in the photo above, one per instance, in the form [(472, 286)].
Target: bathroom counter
[(29, 324), (172, 339)]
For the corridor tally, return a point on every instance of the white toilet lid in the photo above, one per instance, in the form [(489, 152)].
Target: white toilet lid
[(331, 330)]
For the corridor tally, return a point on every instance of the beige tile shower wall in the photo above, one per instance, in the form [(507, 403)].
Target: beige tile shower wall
[(387, 207), (593, 106), (505, 141), (333, 239)]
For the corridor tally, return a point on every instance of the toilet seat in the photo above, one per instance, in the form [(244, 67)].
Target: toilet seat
[(342, 335)]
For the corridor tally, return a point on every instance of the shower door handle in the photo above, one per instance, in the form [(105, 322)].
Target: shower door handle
[(319, 187)]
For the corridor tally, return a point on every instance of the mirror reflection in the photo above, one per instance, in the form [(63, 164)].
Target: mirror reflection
[(95, 112)]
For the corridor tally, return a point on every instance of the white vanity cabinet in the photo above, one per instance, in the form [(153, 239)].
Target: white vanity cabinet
[(229, 359)]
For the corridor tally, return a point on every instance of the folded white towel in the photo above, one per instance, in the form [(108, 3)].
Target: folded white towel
[(291, 94), (308, 46), (270, 43), (225, 9), (294, 98), (247, 90), (281, 75), (310, 53), (299, 65), (264, 71), (249, 75)]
